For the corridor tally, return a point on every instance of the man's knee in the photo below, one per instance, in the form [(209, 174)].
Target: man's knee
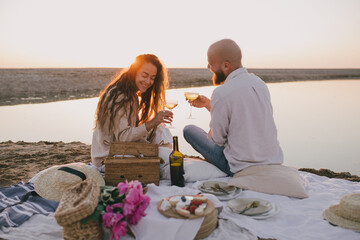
[(188, 129)]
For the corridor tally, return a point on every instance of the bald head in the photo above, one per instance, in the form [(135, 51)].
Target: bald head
[(225, 50)]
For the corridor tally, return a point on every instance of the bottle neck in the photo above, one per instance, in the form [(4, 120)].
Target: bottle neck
[(175, 144)]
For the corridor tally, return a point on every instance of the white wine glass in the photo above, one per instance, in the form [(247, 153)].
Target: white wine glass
[(171, 104), (191, 96)]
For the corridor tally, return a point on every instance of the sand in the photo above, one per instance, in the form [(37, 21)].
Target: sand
[(20, 161)]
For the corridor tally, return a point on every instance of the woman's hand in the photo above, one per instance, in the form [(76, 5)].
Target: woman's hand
[(161, 117), (201, 102)]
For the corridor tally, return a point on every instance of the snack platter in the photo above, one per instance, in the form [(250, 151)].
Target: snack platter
[(185, 206)]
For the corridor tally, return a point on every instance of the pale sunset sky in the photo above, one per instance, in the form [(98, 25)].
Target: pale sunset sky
[(271, 33)]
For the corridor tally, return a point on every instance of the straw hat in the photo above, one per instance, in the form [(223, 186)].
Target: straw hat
[(346, 214), (52, 182)]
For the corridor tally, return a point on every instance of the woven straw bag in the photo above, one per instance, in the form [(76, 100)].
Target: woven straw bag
[(77, 203), (78, 231)]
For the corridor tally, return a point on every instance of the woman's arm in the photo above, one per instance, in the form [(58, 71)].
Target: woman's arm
[(162, 117)]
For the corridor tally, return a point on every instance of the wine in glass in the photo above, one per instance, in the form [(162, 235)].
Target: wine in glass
[(191, 96), (171, 104)]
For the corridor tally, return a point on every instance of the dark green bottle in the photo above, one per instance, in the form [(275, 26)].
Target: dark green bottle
[(176, 160)]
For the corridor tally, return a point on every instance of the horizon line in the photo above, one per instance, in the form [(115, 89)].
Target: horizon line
[(299, 68)]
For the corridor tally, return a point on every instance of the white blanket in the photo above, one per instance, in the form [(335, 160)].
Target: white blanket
[(297, 218)]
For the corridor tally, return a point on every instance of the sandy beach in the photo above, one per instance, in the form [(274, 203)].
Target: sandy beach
[(20, 161)]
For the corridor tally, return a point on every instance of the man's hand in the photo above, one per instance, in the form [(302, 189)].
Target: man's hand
[(201, 102)]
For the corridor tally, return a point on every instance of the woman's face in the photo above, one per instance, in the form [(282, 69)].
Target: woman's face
[(145, 76)]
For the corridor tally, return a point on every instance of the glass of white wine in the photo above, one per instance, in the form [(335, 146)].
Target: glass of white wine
[(171, 104), (191, 96)]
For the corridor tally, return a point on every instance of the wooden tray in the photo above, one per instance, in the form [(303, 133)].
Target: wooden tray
[(171, 212)]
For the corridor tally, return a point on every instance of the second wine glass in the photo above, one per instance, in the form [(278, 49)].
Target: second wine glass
[(171, 104), (191, 96)]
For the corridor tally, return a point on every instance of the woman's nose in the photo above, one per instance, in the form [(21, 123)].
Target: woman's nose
[(149, 81)]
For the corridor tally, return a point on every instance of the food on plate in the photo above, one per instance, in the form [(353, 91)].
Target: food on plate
[(199, 211), (185, 206), (201, 198), (183, 212), (165, 205)]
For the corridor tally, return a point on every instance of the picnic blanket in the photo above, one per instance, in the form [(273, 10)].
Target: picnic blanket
[(19, 202), (296, 219)]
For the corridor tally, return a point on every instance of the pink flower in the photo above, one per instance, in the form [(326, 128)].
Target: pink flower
[(133, 197), (106, 219), (128, 209), (110, 218), (118, 230), (133, 208), (139, 212), (117, 205), (135, 184), (109, 208), (123, 187)]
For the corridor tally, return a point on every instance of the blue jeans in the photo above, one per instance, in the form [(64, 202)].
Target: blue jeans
[(212, 152)]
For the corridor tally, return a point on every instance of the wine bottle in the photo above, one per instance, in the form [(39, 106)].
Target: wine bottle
[(176, 160)]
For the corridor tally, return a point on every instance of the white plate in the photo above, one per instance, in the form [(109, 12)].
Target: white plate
[(209, 187), (239, 204), (272, 212)]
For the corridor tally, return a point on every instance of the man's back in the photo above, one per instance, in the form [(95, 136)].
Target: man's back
[(242, 121)]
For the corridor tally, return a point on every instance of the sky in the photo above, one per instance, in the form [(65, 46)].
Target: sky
[(271, 33)]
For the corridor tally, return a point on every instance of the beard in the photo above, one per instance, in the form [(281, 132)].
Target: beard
[(218, 78)]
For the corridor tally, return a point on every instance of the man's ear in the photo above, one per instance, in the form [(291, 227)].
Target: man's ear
[(226, 67)]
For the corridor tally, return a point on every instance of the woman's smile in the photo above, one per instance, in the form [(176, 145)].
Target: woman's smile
[(145, 77)]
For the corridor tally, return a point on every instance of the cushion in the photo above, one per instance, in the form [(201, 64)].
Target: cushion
[(164, 153), (272, 179), (195, 170)]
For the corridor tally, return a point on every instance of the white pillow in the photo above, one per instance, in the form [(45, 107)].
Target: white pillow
[(271, 179), (164, 153), (198, 170), (195, 170)]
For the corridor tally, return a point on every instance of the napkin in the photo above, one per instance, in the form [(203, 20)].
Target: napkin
[(157, 226)]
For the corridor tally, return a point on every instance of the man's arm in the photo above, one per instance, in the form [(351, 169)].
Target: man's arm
[(220, 120)]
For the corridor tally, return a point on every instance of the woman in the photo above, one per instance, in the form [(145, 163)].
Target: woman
[(130, 108)]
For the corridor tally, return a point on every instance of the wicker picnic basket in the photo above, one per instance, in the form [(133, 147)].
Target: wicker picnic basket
[(132, 161), (77, 203), (78, 231)]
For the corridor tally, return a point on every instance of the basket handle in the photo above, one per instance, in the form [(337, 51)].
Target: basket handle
[(127, 148)]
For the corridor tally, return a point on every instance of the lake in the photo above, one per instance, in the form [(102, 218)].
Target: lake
[(318, 122)]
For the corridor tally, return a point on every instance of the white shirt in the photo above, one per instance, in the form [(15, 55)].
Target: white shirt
[(242, 121), (123, 132)]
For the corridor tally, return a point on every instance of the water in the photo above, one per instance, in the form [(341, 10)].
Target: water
[(318, 122)]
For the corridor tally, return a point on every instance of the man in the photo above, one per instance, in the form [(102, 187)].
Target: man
[(242, 128)]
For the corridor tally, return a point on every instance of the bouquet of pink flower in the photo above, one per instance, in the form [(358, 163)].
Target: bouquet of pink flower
[(120, 206)]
